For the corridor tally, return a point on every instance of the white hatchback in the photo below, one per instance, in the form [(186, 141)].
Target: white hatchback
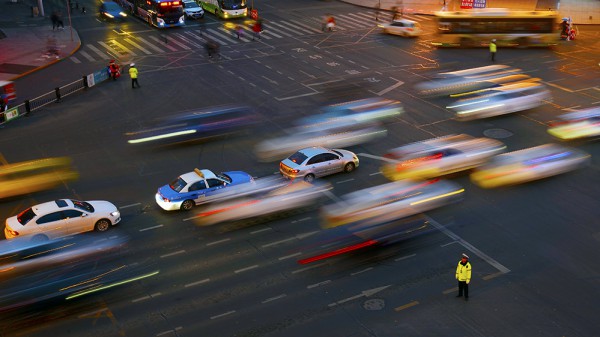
[(402, 27), (62, 217)]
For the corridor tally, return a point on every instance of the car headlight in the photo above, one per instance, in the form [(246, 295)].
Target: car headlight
[(122, 14), (182, 19), (108, 15), (116, 214)]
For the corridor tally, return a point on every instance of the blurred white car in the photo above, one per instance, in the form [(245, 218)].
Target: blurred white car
[(402, 27), (315, 162), (439, 156), (577, 125), (192, 10), (503, 100), (286, 198), (389, 202), (529, 164), (62, 217)]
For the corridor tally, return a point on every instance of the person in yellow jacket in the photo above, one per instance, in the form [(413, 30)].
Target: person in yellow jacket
[(493, 49), (133, 73), (463, 275)]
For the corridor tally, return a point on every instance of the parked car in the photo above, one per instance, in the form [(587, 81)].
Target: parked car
[(192, 10), (403, 27), (197, 187), (62, 217), (315, 162)]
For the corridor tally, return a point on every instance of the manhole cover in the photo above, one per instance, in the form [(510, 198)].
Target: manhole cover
[(374, 304), (497, 133)]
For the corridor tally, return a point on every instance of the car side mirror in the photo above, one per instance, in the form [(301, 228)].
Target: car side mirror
[(84, 215)]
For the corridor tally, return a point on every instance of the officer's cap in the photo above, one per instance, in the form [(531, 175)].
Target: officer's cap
[(465, 256)]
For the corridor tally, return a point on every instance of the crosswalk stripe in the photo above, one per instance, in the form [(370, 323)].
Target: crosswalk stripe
[(270, 32), (245, 35), (349, 21), (122, 47), (370, 21), (223, 36), (97, 51), (179, 44), (251, 32), (371, 17), (86, 55), (150, 45), (138, 46), (200, 38), (279, 30), (284, 27), (319, 22), (163, 43), (186, 40), (300, 27), (110, 49), (74, 59)]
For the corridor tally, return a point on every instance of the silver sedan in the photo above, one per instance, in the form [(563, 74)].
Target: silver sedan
[(314, 162)]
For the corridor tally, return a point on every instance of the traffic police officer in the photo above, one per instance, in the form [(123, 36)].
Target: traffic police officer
[(463, 275)]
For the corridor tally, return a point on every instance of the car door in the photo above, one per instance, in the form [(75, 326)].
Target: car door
[(77, 222), (316, 166), (52, 225), (214, 187), (332, 163), (197, 192)]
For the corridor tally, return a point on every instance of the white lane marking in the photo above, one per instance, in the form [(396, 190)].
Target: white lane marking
[(273, 298), (224, 314), (132, 205), (318, 284), (174, 253), (364, 293), (309, 268), (226, 34), (188, 40), (405, 257), (377, 157), (345, 181), (374, 174), (146, 297), (362, 271), (448, 244), (298, 28), (217, 242), (390, 88), (196, 283), (246, 269), (128, 51), (284, 27), (289, 256), (261, 230), (149, 228), (150, 45), (92, 313), (164, 43), (99, 52), (86, 55), (169, 331), (469, 246), (303, 219), (74, 59), (558, 86), (171, 40), (278, 242), (297, 96), (138, 46)]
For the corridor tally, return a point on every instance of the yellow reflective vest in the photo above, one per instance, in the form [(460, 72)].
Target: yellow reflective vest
[(463, 272), (133, 72), (492, 47)]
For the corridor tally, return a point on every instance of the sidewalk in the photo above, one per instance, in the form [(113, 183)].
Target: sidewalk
[(24, 40)]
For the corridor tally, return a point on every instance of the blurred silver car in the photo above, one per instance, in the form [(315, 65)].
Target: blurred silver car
[(439, 156), (389, 202), (577, 125), (314, 162), (503, 100), (528, 165)]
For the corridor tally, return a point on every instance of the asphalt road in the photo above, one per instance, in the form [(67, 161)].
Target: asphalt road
[(533, 247)]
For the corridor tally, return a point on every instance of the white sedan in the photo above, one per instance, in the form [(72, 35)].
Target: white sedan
[(62, 217), (402, 27)]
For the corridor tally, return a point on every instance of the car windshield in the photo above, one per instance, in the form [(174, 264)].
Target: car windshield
[(82, 205), (224, 177), (25, 216), (111, 6), (178, 184), (190, 4), (298, 157)]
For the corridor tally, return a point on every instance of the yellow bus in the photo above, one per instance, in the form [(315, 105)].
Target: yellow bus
[(477, 27), (34, 176)]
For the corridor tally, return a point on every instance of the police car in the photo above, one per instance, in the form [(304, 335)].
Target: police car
[(197, 187)]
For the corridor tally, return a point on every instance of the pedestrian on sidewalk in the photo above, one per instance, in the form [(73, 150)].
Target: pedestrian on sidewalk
[(133, 73), (463, 276), (493, 49)]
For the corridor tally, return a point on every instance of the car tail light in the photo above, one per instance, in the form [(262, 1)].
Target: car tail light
[(13, 233), (165, 199)]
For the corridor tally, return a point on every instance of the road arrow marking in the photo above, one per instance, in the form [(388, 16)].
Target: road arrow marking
[(365, 293)]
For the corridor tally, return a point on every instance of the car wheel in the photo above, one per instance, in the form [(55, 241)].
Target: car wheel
[(309, 178), (102, 225), (187, 205), (349, 167), (39, 238)]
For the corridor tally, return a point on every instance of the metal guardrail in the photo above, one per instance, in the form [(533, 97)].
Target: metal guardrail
[(53, 96)]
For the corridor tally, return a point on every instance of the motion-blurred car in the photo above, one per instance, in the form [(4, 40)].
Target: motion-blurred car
[(389, 202), (315, 162), (195, 125), (502, 100), (192, 10), (439, 156), (110, 10), (577, 125), (197, 187), (464, 80), (499, 82), (365, 110), (287, 198), (528, 165), (34, 176), (403, 27), (329, 134), (62, 217)]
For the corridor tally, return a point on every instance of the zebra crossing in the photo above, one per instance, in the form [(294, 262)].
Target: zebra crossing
[(193, 39)]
